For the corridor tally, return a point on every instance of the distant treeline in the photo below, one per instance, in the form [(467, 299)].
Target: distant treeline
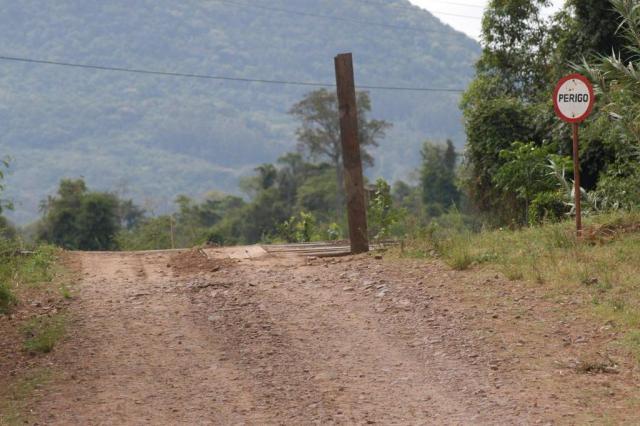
[(299, 198)]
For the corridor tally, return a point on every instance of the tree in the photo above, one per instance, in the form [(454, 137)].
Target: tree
[(265, 178), (438, 176), (508, 99), (587, 28), (78, 219), (516, 47), (130, 214), (319, 133), (97, 222)]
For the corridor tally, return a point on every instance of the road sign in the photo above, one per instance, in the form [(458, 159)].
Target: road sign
[(573, 101), (573, 98)]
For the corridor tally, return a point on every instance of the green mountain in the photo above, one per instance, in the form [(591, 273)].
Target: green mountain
[(153, 137)]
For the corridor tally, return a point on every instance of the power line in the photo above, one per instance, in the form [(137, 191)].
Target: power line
[(218, 77), (332, 18), (456, 15), (399, 6), (460, 4)]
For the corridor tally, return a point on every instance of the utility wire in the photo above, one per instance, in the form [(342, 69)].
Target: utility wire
[(412, 7), (218, 77), (455, 15), (460, 4), (331, 18), (457, 4)]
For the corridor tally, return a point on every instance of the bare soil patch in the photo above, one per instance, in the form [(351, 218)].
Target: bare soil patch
[(197, 261)]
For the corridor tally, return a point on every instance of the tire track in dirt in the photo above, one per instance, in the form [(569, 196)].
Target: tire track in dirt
[(344, 364), (136, 355), (160, 338)]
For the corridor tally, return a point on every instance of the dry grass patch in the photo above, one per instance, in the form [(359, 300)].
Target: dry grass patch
[(601, 270), (15, 397)]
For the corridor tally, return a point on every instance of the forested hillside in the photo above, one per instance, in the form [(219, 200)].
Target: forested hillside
[(156, 137)]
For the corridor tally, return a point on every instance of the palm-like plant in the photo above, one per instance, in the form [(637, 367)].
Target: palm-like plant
[(618, 82)]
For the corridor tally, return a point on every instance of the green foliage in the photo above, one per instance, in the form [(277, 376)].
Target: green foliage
[(288, 189), (19, 270), (382, 214), (130, 214), (510, 101), (319, 133), (438, 176), (97, 222), (38, 266), (493, 124), (617, 78), (65, 292), (217, 219), (333, 232), (194, 220), (549, 206), (42, 333), (583, 30), (516, 47), (283, 195), (620, 191), (525, 172), (449, 236), (78, 219), (4, 204), (7, 298), (317, 194), (612, 72), (300, 228), (151, 234)]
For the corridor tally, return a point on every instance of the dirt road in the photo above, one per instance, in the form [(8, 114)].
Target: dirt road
[(160, 338)]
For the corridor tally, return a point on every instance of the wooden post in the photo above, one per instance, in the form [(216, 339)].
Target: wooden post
[(353, 178), (172, 231), (576, 180)]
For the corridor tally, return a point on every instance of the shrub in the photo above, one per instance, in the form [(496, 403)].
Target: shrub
[(382, 214), (619, 190), (548, 206), (43, 333), (299, 228), (7, 299)]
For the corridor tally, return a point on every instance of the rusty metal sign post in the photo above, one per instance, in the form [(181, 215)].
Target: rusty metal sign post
[(353, 176), (573, 100)]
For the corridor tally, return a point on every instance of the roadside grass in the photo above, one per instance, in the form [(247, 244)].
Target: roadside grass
[(602, 268), (19, 270), (15, 397), (25, 278), (7, 298), (42, 333), (65, 292), (37, 268)]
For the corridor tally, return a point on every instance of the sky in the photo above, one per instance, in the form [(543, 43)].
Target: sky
[(470, 11)]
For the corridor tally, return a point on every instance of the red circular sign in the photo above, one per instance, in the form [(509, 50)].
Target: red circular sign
[(573, 98)]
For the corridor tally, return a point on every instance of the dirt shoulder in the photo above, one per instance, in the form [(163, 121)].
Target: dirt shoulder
[(164, 338)]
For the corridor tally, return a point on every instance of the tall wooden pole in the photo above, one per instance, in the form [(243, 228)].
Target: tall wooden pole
[(172, 231), (353, 178), (576, 180)]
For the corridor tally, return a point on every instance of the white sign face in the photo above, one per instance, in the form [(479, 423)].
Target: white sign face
[(573, 98)]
